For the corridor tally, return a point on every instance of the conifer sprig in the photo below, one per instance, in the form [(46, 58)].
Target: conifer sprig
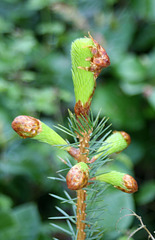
[(92, 147)]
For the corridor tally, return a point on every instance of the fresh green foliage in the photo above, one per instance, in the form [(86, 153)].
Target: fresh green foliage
[(49, 136), (83, 81), (146, 193), (114, 143)]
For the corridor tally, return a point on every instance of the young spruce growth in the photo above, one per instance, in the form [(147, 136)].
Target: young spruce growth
[(92, 146)]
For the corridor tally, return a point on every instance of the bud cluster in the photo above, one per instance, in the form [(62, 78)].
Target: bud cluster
[(78, 175), (88, 59)]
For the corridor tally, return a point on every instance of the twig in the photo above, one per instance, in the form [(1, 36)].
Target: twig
[(142, 226)]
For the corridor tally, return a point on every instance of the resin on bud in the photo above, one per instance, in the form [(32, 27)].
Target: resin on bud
[(121, 181), (77, 177), (115, 143), (30, 127)]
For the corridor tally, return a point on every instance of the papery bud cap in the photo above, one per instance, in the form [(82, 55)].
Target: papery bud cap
[(130, 184), (126, 136), (26, 126), (77, 177)]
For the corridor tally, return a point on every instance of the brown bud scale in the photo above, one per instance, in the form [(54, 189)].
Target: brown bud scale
[(99, 60), (74, 152), (26, 126), (81, 109), (76, 178), (130, 183), (126, 136)]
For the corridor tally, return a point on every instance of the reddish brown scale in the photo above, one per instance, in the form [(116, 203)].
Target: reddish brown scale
[(130, 183), (81, 109), (76, 178), (75, 152), (126, 136), (99, 60), (26, 126)]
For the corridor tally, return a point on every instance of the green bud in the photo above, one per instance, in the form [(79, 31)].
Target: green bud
[(30, 127), (88, 59), (115, 143), (83, 80), (121, 181), (77, 177)]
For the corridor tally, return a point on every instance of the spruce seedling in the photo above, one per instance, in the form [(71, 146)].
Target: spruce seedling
[(92, 145)]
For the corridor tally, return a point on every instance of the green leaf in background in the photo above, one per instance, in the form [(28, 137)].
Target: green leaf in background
[(5, 202), (10, 59), (22, 223), (51, 28), (145, 37), (7, 221), (27, 76), (119, 33), (34, 5), (150, 63), (132, 88), (5, 26), (28, 221), (151, 97), (145, 9), (130, 69), (113, 202), (146, 193), (44, 99), (116, 105), (125, 238)]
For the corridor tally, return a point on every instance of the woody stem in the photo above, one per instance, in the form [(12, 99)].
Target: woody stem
[(81, 194)]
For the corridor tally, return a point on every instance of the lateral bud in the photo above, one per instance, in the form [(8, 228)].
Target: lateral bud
[(77, 177), (115, 143), (121, 181), (30, 127)]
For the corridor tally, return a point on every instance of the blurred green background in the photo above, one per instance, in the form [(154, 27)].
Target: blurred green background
[(35, 80)]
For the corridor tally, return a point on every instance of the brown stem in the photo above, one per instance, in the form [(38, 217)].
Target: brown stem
[(81, 215), (81, 194)]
